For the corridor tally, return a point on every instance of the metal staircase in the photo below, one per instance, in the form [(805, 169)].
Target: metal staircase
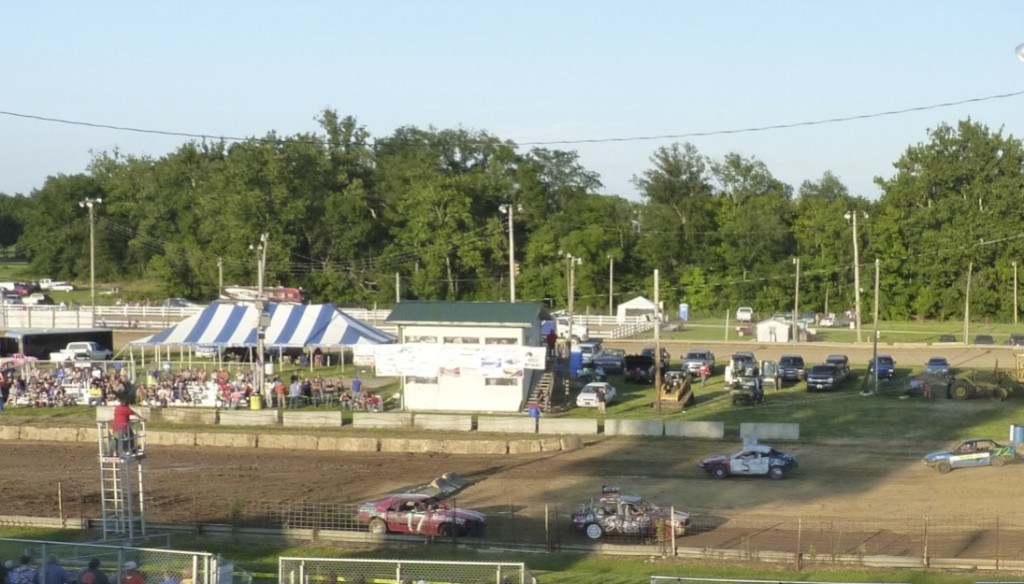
[(541, 391), (121, 485)]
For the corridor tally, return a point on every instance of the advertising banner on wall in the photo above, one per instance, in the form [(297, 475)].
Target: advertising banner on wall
[(427, 360)]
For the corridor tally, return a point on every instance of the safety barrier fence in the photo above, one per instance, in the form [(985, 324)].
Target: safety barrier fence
[(364, 571), (154, 564), (992, 542)]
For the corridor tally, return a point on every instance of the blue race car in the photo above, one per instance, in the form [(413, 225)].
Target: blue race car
[(973, 452)]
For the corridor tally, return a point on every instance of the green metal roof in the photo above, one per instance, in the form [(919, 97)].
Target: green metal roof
[(439, 312)]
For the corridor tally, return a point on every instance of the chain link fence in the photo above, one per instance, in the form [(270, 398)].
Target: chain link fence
[(154, 565), (811, 539), (360, 571)]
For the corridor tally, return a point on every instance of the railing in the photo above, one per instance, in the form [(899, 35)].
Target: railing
[(321, 570)]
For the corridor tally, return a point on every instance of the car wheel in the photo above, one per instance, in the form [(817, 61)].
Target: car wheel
[(594, 531), (998, 461), (776, 473), (719, 472), (445, 530), (943, 467), (378, 527), (1000, 393), (961, 390)]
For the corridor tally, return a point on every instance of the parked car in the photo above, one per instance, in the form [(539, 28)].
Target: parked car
[(886, 367), (1015, 340), (751, 460), (587, 397), (791, 368), (611, 360), (947, 339), (937, 365), (177, 303), (618, 514), (639, 368), (973, 452), (12, 300), (421, 514), (36, 299), (825, 377), (744, 314), (665, 356), (842, 363), (697, 357), (587, 351), (984, 340), (62, 287)]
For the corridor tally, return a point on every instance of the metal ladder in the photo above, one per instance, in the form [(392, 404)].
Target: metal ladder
[(121, 484)]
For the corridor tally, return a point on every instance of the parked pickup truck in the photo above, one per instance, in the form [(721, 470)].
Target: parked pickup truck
[(82, 350)]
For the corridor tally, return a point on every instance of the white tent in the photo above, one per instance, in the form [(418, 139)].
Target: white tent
[(773, 331), (638, 306)]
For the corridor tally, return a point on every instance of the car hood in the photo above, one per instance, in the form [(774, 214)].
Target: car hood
[(936, 456), (714, 459)]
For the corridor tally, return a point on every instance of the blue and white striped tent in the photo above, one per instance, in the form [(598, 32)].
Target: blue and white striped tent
[(291, 325)]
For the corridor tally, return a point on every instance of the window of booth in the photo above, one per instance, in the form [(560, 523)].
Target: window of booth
[(500, 341), (421, 380), (462, 340), (421, 339)]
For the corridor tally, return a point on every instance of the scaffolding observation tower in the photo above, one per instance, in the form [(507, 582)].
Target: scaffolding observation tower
[(122, 454)]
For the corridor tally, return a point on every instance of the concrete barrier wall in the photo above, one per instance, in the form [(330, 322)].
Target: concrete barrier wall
[(414, 445), (343, 444), (615, 427), (313, 419), (506, 424), (287, 441), (10, 432), (681, 429), (765, 431), (568, 425), (381, 420), (46, 434), (160, 438), (248, 418), (474, 447), (185, 416), (106, 413), (226, 439), (457, 422), (527, 446)]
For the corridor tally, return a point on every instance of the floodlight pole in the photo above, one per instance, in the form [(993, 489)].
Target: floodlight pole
[(261, 331), (90, 203)]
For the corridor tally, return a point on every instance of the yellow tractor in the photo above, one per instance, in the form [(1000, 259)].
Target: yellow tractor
[(676, 391)]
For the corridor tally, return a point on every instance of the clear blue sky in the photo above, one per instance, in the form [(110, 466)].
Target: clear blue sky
[(522, 70)]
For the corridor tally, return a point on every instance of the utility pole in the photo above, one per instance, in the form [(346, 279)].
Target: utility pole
[(398, 289), (90, 203), (507, 208), (220, 277), (261, 305), (875, 361), (852, 215), (796, 303), (967, 303), (611, 284), (657, 341), (1015, 293)]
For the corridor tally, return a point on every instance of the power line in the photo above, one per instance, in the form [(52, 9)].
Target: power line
[(605, 140)]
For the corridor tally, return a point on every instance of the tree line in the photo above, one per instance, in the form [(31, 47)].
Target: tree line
[(349, 217)]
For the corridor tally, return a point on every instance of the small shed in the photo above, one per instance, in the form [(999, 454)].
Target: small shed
[(638, 306), (773, 331)]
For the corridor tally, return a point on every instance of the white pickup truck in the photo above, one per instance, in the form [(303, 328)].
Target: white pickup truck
[(82, 350), (55, 285), (580, 332)]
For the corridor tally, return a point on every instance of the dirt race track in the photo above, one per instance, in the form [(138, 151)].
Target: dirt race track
[(858, 498), (876, 499)]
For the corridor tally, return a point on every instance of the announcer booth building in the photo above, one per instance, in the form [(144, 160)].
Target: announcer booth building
[(465, 356)]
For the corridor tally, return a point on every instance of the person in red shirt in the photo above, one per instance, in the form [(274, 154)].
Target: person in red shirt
[(122, 424)]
